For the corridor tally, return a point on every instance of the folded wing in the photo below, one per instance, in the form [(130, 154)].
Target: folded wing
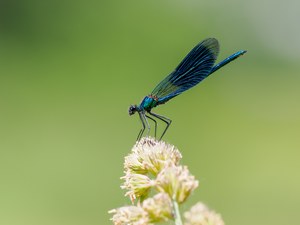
[(195, 67)]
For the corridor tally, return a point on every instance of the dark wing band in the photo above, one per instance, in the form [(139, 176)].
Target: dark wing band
[(195, 67)]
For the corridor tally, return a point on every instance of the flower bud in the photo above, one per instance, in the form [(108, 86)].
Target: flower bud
[(159, 208), (199, 214), (133, 215), (177, 182), (151, 156), (138, 185)]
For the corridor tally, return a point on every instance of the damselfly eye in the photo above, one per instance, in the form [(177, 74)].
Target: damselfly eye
[(132, 110)]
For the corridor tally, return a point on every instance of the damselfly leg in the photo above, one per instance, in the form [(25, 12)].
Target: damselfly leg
[(144, 123), (143, 128), (164, 119), (155, 124)]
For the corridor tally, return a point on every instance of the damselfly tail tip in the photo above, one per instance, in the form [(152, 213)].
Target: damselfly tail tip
[(243, 52)]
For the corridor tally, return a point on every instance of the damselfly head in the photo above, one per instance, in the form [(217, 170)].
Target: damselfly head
[(132, 109)]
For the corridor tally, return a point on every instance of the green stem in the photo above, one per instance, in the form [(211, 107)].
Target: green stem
[(178, 220)]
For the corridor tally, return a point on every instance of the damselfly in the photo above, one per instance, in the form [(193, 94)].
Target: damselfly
[(196, 66)]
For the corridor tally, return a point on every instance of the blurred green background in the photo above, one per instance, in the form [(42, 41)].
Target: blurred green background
[(70, 69)]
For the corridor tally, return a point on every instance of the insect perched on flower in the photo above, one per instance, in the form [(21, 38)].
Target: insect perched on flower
[(195, 67)]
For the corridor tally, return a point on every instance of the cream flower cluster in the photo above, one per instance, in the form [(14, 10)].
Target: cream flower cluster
[(156, 183)]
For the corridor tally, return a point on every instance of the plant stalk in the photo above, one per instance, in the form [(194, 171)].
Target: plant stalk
[(178, 220)]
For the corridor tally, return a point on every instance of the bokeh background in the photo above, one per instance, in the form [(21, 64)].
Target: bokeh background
[(70, 69)]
